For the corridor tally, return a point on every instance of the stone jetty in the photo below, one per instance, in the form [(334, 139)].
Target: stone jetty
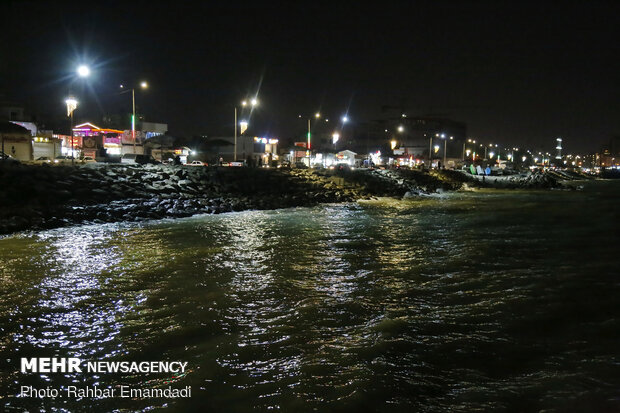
[(40, 197)]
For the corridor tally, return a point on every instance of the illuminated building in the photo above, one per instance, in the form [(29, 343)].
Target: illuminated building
[(92, 139)]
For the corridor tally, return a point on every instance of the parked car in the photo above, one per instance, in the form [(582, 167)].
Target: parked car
[(138, 159), (88, 159), (43, 160), (64, 160), (197, 163), (7, 158)]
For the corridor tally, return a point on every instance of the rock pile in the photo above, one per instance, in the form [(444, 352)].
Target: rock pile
[(37, 197)]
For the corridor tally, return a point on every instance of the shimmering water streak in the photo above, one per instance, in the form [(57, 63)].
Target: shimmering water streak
[(485, 300)]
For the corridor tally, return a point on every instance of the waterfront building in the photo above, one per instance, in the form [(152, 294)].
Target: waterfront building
[(152, 129), (16, 141), (92, 140), (250, 149), (418, 139)]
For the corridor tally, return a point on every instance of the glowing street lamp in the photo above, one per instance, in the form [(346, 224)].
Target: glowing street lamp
[(308, 148), (83, 71), (71, 103), (143, 85), (244, 124), (335, 137)]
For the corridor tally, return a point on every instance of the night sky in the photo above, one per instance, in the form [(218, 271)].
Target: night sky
[(516, 74)]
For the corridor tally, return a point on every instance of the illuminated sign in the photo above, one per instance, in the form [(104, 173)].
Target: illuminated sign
[(269, 141)]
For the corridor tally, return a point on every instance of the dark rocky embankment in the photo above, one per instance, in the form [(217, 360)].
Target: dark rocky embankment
[(38, 197)]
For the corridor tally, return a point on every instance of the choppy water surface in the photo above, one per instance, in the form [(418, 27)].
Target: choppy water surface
[(487, 300)]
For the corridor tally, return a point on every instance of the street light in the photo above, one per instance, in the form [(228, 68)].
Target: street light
[(143, 85), (83, 71), (244, 103), (71, 103), (308, 146), (335, 137)]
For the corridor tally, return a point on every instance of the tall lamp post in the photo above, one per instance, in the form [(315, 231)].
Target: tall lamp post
[(430, 151), (244, 103), (308, 146), (82, 71), (143, 85), (442, 136)]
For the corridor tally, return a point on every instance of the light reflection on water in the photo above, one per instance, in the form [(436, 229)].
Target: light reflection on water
[(461, 302)]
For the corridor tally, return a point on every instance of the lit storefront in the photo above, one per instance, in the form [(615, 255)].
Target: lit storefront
[(90, 138), (265, 150), (70, 146), (46, 146)]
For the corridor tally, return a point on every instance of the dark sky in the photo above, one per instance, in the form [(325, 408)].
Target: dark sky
[(517, 74)]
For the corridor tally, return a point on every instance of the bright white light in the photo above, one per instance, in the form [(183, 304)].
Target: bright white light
[(144, 85), (491, 155), (317, 115), (254, 102), (401, 128), (335, 137), (71, 105), (345, 119), (83, 71)]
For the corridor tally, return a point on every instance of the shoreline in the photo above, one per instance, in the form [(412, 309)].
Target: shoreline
[(34, 197)]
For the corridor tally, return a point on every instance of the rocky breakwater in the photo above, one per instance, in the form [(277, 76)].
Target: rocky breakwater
[(408, 182), (527, 180), (38, 197)]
